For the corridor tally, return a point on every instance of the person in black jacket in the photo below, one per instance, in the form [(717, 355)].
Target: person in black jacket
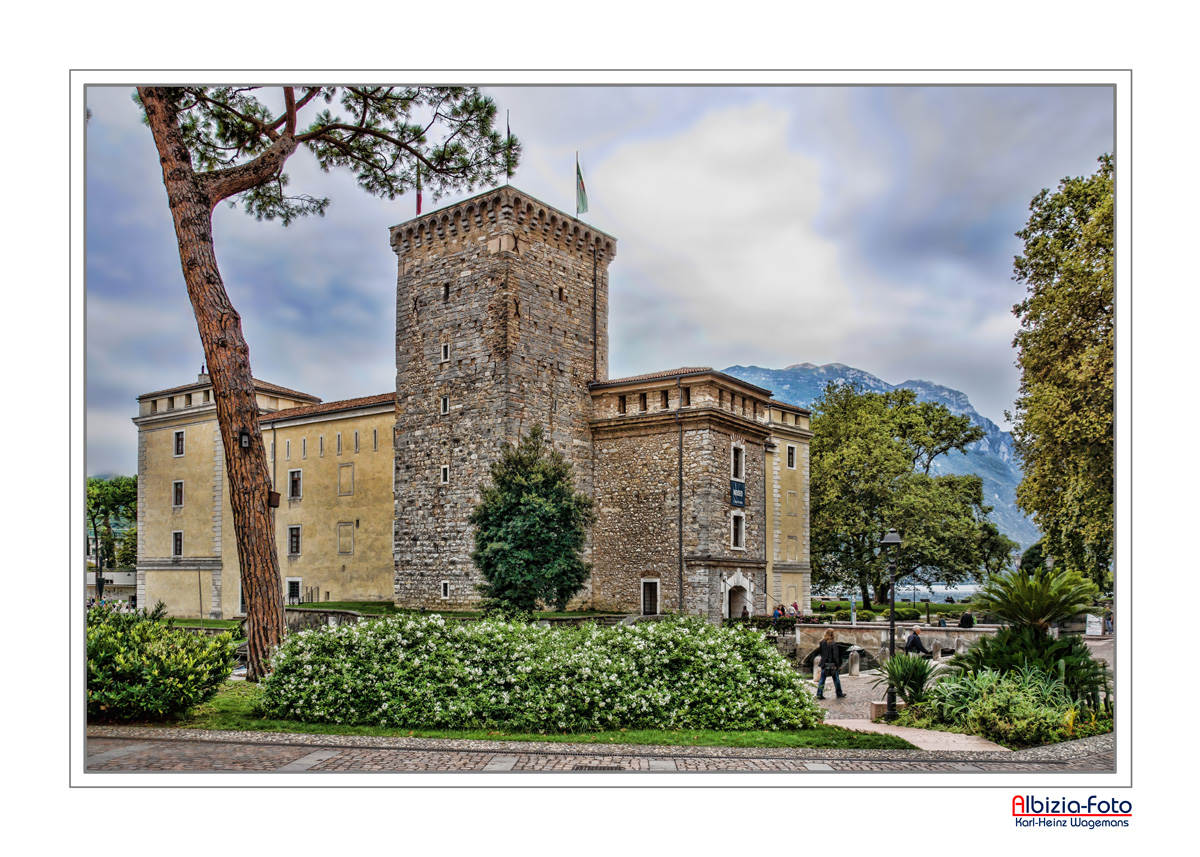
[(967, 620), (831, 663), (913, 644)]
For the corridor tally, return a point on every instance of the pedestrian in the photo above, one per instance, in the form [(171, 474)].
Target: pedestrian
[(831, 663), (1108, 622), (795, 608), (913, 644), (966, 620), (745, 612), (941, 621)]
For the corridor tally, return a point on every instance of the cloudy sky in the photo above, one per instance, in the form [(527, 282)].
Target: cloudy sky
[(871, 226)]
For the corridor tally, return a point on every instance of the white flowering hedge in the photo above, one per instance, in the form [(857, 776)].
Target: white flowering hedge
[(421, 672)]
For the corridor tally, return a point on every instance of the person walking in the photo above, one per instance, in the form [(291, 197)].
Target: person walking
[(913, 644), (831, 663)]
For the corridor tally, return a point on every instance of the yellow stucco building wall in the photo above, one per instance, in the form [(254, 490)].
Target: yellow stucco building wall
[(187, 552), (789, 567)]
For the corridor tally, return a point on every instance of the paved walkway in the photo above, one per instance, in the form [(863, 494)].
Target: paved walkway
[(142, 749)]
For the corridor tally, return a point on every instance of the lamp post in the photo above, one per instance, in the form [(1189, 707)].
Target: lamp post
[(892, 539)]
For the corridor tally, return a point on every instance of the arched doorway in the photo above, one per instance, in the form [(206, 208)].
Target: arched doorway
[(738, 598)]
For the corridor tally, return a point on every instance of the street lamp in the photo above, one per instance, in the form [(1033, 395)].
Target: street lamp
[(892, 539)]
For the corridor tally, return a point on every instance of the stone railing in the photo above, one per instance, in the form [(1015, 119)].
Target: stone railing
[(306, 618), (873, 637)]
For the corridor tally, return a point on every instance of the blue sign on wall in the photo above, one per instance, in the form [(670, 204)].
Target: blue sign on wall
[(737, 492)]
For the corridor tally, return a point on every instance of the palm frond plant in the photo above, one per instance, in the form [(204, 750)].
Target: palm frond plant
[(1035, 600), (911, 675)]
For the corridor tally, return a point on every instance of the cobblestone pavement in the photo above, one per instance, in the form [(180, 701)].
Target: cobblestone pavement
[(141, 749)]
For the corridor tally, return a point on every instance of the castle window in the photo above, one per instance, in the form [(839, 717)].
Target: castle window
[(339, 443), (738, 464), (687, 397), (621, 405), (560, 293), (177, 543), (356, 441), (720, 398), (304, 447), (737, 531), (178, 443), (445, 352), (295, 485), (287, 450), (294, 542), (445, 474), (642, 402), (446, 292), (445, 405), (375, 440), (665, 400), (321, 445), (445, 589), (177, 494), (791, 456)]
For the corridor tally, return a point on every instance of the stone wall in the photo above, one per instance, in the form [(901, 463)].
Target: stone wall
[(514, 290), (637, 530)]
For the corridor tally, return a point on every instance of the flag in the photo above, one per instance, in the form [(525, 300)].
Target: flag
[(580, 190), (418, 188)]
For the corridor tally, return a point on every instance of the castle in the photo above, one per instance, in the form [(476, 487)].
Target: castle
[(700, 480)]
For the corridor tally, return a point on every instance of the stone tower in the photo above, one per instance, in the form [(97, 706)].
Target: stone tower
[(501, 324)]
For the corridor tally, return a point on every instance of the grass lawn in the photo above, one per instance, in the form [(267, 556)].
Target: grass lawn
[(224, 624), (232, 710)]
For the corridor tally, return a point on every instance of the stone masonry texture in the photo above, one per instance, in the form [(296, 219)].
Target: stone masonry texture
[(501, 324)]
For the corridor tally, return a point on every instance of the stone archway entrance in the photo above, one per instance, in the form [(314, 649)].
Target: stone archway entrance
[(738, 598)]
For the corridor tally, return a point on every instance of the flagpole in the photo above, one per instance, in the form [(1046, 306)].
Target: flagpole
[(507, 145)]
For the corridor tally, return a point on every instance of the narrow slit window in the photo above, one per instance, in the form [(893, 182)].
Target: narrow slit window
[(666, 401), (287, 450), (339, 443), (320, 445), (177, 543), (445, 589), (356, 441), (446, 292), (445, 352), (445, 474), (620, 405), (304, 447), (375, 440), (445, 405), (687, 397), (737, 537), (642, 402)]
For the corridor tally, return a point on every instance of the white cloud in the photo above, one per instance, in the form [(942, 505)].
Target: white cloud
[(715, 238)]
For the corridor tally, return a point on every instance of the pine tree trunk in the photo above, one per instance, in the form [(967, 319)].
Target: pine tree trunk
[(228, 359)]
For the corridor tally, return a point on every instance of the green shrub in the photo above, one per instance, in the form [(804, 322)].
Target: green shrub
[(1084, 678), (409, 671), (139, 668), (842, 616), (911, 675), (865, 616)]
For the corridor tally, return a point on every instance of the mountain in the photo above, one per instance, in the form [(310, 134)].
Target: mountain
[(992, 458)]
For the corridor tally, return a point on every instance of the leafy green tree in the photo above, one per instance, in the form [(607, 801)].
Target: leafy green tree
[(126, 552), (1034, 557), (996, 551), (871, 453), (1063, 422), (219, 144), (530, 528), (107, 500)]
